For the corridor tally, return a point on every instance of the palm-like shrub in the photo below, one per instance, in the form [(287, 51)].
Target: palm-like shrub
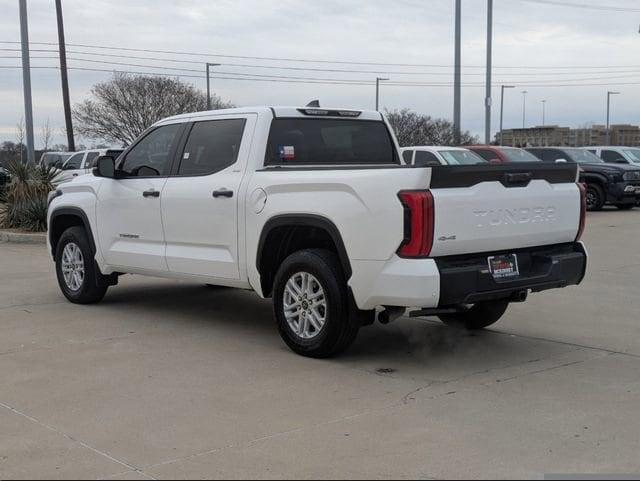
[(25, 197)]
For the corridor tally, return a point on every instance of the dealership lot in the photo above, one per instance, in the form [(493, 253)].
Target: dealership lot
[(167, 379)]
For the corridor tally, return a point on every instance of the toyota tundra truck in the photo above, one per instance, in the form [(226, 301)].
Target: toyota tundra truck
[(315, 209)]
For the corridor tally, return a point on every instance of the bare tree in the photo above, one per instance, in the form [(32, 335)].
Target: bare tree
[(416, 129), (124, 107), (46, 136), (20, 135)]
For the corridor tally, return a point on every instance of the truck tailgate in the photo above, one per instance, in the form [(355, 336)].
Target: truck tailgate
[(502, 207)]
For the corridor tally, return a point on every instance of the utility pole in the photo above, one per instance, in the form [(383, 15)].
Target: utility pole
[(544, 112), (502, 107), (26, 80), (65, 79), (209, 65), (524, 108), (488, 100), (378, 80), (609, 94), (457, 89)]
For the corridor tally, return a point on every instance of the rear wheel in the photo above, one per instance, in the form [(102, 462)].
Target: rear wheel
[(76, 270), (595, 197), (479, 316), (311, 304)]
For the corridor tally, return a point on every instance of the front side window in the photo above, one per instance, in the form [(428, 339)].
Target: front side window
[(315, 141), (426, 159), (461, 157), (74, 162), (212, 146), (582, 156), (633, 155), (519, 155), (612, 157), (151, 157)]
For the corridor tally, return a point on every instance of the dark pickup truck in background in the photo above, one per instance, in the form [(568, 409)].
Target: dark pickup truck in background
[(615, 184)]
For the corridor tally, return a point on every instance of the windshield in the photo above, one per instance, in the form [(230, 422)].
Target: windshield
[(461, 157), (519, 155), (633, 155), (583, 156), (54, 160)]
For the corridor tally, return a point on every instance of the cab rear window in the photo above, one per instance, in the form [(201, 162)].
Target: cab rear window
[(303, 141)]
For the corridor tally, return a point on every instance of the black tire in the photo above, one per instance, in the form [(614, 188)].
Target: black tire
[(90, 290), (340, 329), (480, 316), (596, 197), (625, 206)]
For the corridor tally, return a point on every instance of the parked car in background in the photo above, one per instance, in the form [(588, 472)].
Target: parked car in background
[(81, 163), (616, 184), (494, 154), (4, 179), (314, 208), (54, 159), (617, 155), (429, 156)]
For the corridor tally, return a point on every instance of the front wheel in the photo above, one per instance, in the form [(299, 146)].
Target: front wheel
[(595, 197), (311, 304), (76, 270), (479, 316)]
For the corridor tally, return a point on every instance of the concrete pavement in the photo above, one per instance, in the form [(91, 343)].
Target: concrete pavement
[(175, 380)]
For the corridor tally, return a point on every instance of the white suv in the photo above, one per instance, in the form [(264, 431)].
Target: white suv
[(81, 163), (617, 155)]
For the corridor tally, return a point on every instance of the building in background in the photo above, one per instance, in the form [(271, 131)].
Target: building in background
[(622, 134)]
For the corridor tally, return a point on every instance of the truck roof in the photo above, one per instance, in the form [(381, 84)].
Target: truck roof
[(285, 112)]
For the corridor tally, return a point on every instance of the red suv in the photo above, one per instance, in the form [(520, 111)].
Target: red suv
[(502, 155)]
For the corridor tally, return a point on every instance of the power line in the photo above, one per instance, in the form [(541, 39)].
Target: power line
[(584, 6)]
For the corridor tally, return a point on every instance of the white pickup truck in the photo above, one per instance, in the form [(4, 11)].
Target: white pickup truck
[(314, 208)]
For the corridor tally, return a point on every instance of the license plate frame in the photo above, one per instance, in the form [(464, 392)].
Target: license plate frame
[(504, 267)]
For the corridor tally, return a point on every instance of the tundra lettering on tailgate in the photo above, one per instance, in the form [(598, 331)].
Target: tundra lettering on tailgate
[(498, 217)]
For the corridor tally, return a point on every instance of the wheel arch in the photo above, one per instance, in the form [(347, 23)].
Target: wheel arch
[(65, 217), (285, 234)]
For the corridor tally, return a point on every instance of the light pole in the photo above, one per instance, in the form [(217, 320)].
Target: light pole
[(524, 108), (457, 76), (378, 80), (65, 78), (609, 94), (209, 65), (544, 112), (502, 107), (488, 102), (26, 81)]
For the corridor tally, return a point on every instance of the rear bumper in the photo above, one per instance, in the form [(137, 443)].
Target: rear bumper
[(467, 280)]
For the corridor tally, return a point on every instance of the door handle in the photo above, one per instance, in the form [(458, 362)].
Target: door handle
[(223, 193), (151, 193)]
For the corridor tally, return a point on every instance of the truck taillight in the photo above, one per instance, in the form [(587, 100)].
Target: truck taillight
[(583, 210), (419, 223)]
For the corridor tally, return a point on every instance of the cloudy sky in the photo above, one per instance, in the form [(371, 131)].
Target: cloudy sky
[(557, 53)]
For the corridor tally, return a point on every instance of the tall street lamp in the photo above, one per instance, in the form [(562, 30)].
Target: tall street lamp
[(524, 108), (378, 80), (609, 94), (502, 107), (209, 65)]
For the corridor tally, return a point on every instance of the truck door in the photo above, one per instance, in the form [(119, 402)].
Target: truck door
[(128, 211), (201, 201)]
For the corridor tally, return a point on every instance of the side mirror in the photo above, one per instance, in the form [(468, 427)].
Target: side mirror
[(105, 167), (561, 161)]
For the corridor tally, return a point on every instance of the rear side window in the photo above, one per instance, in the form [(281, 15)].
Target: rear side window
[(426, 159), (212, 146), (612, 156), (329, 142), (487, 155)]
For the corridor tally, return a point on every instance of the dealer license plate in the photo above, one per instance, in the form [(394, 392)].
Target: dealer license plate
[(504, 267)]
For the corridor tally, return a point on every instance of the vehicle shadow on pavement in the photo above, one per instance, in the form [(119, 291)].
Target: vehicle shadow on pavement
[(408, 347)]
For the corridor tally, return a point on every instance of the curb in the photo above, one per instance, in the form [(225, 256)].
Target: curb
[(23, 238)]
